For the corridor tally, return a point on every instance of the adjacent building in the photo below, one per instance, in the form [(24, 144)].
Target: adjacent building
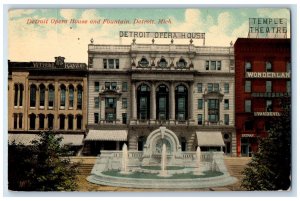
[(262, 77), (47, 96), (134, 89)]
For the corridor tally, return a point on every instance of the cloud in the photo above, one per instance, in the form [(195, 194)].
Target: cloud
[(13, 13), (68, 13)]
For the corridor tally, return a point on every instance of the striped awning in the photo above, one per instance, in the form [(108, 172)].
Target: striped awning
[(107, 135), (210, 138), (26, 139), (74, 140)]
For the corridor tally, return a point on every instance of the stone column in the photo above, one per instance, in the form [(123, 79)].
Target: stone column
[(153, 104), (66, 122), (74, 123), (191, 103), (133, 99), (172, 103), (37, 121)]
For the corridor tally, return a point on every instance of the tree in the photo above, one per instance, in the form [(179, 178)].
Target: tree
[(270, 167), (44, 166)]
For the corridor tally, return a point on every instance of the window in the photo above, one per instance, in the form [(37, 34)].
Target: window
[(269, 106), (163, 63), (41, 121), (79, 122), (288, 66), (124, 87), (32, 95), (248, 66), (231, 62), (213, 65), (124, 118), (110, 86), (97, 86), (248, 125), (248, 86), (51, 96), (226, 119), (79, 97), (32, 121), (111, 63), (50, 121), (16, 94), (110, 102), (207, 65), (71, 96), (268, 86), (61, 122), (42, 95), (181, 63), (248, 106), (200, 104), (288, 86), (199, 119), (226, 87), (213, 110), (105, 63), (143, 62), (124, 102), (268, 66), (218, 65), (70, 122), (226, 104), (117, 63), (96, 118), (199, 87), (20, 120), (62, 96), (212, 87), (96, 102), (15, 121)]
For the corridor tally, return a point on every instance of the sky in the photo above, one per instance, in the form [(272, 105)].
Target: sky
[(42, 42)]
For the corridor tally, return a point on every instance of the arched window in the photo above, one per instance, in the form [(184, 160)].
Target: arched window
[(79, 97), (162, 102), (79, 122), (62, 95), (143, 102), (41, 121), (181, 105), (16, 87), (61, 122), (143, 62), (50, 121), (183, 143), (71, 96), (162, 63), (32, 95), (42, 95), (21, 95), (70, 122), (15, 121), (32, 121), (141, 142), (181, 63), (51, 96)]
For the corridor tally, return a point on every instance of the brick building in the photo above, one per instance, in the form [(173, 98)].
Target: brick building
[(262, 76)]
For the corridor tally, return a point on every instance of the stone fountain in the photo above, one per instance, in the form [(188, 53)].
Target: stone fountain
[(161, 164)]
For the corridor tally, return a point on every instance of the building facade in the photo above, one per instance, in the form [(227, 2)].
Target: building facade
[(262, 77), (134, 89), (47, 96)]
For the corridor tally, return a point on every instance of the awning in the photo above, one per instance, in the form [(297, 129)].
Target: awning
[(26, 139), (210, 138), (107, 135), (74, 140)]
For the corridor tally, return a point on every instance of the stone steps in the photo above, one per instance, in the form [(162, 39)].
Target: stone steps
[(85, 169)]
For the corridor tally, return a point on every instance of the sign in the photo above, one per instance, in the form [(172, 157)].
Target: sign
[(267, 28), (173, 35), (268, 75), (248, 135), (53, 65), (272, 114)]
